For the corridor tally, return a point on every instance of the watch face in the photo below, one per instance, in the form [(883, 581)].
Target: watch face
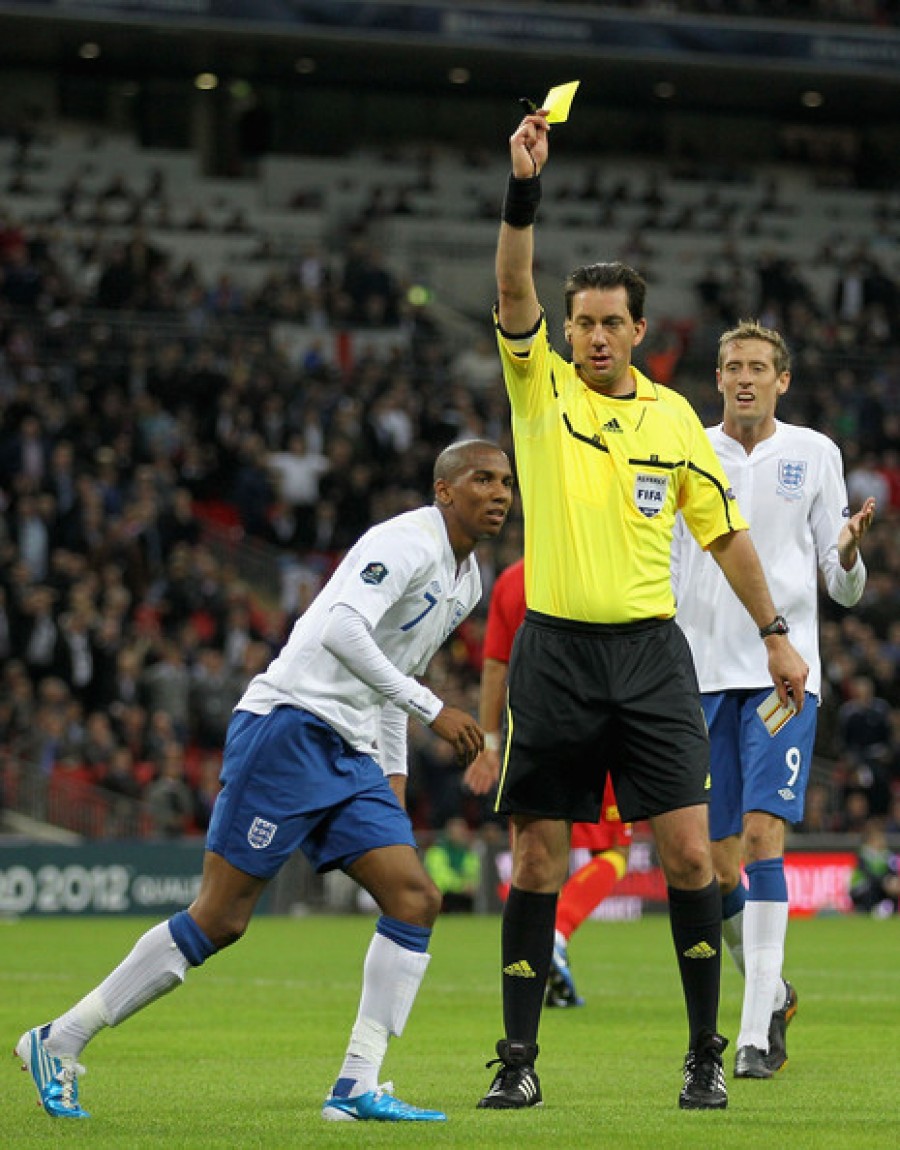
[(778, 626)]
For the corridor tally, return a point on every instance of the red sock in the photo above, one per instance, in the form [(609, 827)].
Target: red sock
[(586, 889)]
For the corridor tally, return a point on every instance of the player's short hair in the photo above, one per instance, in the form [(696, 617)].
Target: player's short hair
[(753, 329), (453, 460), (608, 275)]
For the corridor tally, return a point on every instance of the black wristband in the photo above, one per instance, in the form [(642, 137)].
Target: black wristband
[(520, 204), (778, 626)]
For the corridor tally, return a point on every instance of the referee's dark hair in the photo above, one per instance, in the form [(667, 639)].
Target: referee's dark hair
[(608, 275)]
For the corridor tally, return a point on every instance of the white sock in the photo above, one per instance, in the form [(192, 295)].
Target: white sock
[(765, 928), (392, 976), (153, 968), (733, 937)]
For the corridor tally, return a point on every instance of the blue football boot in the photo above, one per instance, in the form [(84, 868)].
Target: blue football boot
[(377, 1106), (56, 1078), (561, 990)]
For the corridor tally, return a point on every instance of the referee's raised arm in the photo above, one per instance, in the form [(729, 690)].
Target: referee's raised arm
[(518, 306)]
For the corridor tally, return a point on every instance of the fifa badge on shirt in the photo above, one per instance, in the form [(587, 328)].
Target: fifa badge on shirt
[(650, 493)]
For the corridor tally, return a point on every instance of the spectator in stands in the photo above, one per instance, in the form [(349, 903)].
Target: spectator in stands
[(853, 809), (297, 472), (164, 686), (864, 720), (32, 529), (370, 295), (455, 867), (215, 690), (178, 523), (38, 631), (875, 881), (74, 657), (254, 490), (206, 790), (865, 729), (169, 797), (240, 635), (17, 705)]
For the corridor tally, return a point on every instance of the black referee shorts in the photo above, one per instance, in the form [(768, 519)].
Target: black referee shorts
[(587, 699)]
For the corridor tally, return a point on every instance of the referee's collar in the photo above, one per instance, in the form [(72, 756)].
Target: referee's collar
[(645, 389)]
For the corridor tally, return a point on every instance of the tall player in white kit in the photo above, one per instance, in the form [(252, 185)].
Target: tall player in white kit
[(789, 482), (315, 760)]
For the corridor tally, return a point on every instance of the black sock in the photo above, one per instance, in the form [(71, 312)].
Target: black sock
[(527, 946), (696, 919)]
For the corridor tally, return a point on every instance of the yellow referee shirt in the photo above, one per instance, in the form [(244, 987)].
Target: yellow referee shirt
[(601, 481)]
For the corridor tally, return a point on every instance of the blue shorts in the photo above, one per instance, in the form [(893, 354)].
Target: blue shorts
[(289, 782), (752, 770)]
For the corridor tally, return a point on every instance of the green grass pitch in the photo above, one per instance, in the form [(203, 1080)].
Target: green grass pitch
[(243, 1054)]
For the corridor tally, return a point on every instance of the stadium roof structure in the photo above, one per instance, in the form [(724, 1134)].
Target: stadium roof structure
[(630, 59)]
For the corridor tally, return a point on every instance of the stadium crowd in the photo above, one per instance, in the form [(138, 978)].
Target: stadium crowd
[(153, 427)]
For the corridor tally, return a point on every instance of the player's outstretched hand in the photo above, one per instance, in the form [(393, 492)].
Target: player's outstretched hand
[(852, 533), (461, 732), (482, 774)]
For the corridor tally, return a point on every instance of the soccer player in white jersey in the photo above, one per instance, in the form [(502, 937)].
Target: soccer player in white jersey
[(315, 760), (789, 482)]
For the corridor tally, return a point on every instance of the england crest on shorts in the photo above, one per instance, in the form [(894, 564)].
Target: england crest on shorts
[(261, 833), (791, 477), (650, 493)]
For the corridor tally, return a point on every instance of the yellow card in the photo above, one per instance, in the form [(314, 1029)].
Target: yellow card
[(558, 101)]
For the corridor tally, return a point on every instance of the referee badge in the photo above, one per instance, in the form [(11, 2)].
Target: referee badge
[(650, 493)]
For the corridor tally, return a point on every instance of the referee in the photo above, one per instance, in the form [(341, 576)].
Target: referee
[(601, 678)]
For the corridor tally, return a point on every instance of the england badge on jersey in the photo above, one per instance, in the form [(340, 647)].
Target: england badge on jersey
[(791, 477), (650, 493), (261, 833)]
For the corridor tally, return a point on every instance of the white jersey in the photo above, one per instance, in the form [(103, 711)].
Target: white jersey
[(401, 577), (791, 490)]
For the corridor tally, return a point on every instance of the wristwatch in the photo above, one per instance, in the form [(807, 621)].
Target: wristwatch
[(778, 626)]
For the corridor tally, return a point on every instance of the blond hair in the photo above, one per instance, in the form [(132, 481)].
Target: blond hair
[(753, 329)]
